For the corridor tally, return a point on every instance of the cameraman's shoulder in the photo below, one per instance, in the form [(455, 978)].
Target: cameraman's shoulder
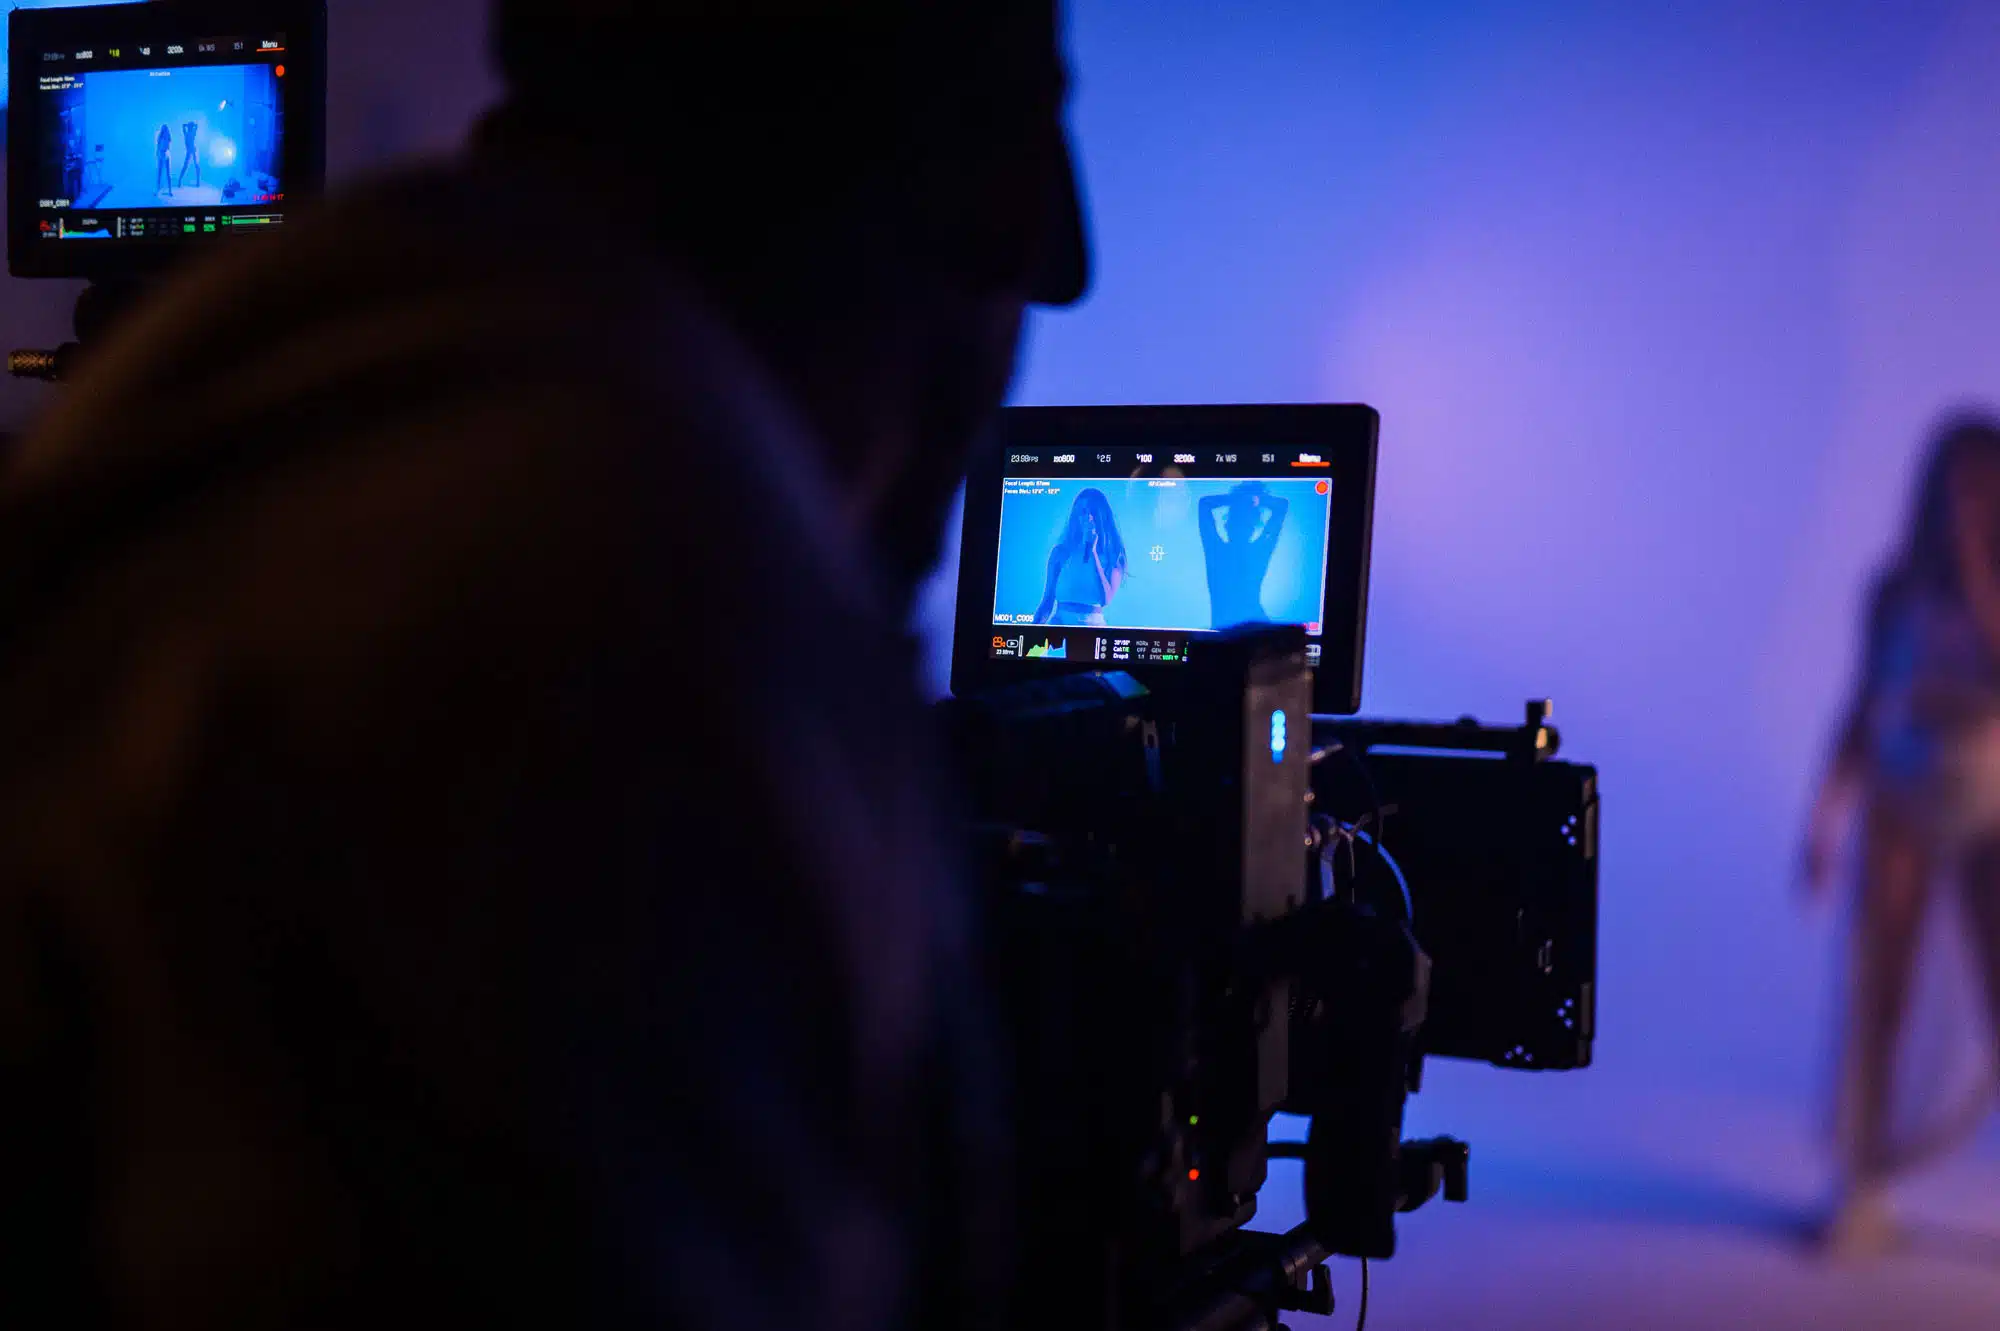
[(427, 365), (584, 348)]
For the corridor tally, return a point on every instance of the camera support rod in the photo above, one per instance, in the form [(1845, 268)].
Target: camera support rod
[(1536, 741)]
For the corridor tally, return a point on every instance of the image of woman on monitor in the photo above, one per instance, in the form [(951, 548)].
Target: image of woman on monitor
[(1086, 567), (193, 160), (163, 179), (1239, 533)]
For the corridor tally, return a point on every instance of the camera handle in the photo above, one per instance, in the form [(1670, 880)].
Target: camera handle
[(1536, 741), (100, 305)]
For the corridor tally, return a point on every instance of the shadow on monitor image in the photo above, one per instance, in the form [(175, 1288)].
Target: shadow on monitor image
[(165, 138)]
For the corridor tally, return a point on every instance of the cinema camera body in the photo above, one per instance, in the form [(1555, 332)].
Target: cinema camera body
[(1214, 897)]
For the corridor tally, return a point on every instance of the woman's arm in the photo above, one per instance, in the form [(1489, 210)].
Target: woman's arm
[(1839, 792), (1207, 509), (1108, 582), (1846, 779), (1979, 569), (1047, 609), (1277, 525)]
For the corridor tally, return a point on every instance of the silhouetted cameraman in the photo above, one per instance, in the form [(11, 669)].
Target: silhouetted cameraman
[(469, 852)]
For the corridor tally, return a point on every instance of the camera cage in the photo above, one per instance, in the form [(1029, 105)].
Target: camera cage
[(1109, 807)]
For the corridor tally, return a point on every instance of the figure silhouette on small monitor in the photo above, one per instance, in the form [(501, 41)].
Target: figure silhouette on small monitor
[(163, 179), (193, 162), (1239, 533)]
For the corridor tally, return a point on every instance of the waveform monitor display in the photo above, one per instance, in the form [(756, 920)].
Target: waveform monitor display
[(1032, 647)]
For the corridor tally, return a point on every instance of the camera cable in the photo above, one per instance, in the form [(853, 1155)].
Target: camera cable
[(1389, 861)]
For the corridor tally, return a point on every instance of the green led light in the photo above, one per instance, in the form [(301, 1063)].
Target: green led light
[(1194, 1120)]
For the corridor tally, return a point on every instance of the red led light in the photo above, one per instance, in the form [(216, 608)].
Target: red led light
[(281, 71), (1193, 1175)]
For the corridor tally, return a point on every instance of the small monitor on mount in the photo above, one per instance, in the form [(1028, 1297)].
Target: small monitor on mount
[(1126, 538), (141, 134)]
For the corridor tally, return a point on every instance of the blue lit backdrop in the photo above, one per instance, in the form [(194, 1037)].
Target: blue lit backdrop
[(143, 138)]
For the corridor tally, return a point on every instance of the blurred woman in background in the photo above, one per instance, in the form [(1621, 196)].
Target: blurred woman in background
[(1918, 759)]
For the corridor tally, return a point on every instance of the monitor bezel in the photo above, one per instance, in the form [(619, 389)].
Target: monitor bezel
[(30, 31), (1346, 434)]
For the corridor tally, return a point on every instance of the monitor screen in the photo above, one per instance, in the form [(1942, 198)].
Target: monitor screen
[(1157, 553), (140, 132), (1123, 537)]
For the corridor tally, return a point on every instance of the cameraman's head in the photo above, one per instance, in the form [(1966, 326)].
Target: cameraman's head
[(871, 190)]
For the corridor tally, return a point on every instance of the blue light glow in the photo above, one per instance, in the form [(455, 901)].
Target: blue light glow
[(1278, 738)]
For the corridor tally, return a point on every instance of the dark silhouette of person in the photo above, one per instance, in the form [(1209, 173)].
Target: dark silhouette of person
[(1239, 533), (163, 179), (73, 167), (434, 888), (1918, 760), (192, 162), (1086, 567)]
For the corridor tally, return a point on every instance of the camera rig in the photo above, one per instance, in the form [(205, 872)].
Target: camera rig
[(1199, 920)]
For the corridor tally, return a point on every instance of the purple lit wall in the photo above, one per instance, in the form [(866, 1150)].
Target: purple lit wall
[(1657, 302)]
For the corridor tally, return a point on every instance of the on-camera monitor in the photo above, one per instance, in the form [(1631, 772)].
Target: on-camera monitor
[(140, 133), (1125, 537)]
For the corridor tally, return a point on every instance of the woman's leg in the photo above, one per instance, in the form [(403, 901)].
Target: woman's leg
[(1893, 891), (1978, 885), (1980, 889)]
